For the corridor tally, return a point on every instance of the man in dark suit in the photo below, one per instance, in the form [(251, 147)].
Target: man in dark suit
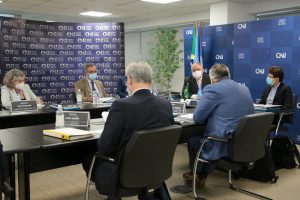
[(196, 81), (276, 92), (141, 110), (122, 87)]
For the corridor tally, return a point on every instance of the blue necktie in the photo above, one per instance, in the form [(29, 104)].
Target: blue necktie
[(199, 93), (93, 86)]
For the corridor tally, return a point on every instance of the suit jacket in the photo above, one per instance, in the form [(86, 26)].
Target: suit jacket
[(222, 105), (86, 91), (122, 88), (8, 95), (193, 86), (283, 96), (140, 111)]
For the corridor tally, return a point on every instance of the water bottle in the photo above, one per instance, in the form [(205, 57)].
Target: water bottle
[(18, 96), (95, 97), (59, 122), (79, 96), (154, 90)]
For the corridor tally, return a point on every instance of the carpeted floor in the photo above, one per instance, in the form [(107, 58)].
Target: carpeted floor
[(69, 184)]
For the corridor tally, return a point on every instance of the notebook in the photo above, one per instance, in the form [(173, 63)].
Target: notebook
[(70, 133)]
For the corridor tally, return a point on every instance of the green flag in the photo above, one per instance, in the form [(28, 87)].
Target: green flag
[(186, 93)]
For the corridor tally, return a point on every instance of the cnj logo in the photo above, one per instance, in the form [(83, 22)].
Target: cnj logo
[(219, 57), (280, 55), (189, 32), (259, 71), (242, 26)]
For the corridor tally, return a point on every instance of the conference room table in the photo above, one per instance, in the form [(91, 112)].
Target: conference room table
[(45, 115), (41, 153)]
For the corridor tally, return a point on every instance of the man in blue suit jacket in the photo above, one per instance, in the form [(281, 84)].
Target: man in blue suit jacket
[(221, 106), (122, 87)]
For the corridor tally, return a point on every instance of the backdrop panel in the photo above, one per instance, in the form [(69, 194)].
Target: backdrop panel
[(256, 46), (53, 55)]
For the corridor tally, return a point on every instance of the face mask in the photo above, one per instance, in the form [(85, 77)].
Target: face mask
[(269, 81), (20, 86), (197, 74), (93, 76)]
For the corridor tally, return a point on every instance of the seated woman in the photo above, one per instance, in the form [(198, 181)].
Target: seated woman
[(14, 88)]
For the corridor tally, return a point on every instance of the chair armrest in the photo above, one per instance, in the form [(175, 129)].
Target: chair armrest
[(219, 139), (99, 155), (286, 113)]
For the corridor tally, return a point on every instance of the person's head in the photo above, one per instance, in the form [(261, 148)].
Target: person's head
[(139, 75), (218, 72), (90, 71), (197, 71), (275, 76), (14, 79)]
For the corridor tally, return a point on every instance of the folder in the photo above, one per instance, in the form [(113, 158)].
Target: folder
[(69, 133)]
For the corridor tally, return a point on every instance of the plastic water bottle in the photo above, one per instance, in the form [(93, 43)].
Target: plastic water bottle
[(18, 96), (79, 96), (95, 97), (60, 121), (154, 90)]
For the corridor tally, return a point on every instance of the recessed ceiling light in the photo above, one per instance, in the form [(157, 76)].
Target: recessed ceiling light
[(161, 1), (1, 1), (95, 14), (50, 21)]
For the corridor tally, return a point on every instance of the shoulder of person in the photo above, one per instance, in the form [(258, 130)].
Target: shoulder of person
[(27, 86), (81, 81)]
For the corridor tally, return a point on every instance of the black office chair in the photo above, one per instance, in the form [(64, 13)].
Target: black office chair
[(146, 161), (5, 188), (285, 117), (246, 146)]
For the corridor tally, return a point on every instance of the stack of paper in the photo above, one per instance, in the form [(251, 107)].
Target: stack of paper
[(187, 118), (69, 133), (266, 107)]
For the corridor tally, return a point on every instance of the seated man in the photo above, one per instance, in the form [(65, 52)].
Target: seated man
[(221, 106), (276, 92), (122, 87), (194, 82), (141, 110), (89, 84)]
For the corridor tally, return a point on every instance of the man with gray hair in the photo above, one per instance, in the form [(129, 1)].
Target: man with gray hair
[(221, 106), (141, 110)]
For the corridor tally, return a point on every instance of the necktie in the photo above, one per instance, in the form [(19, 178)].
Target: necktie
[(93, 86), (199, 93)]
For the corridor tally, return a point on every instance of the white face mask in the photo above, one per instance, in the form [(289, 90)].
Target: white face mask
[(197, 74), (20, 86)]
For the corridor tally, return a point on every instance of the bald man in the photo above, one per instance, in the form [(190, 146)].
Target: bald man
[(198, 79)]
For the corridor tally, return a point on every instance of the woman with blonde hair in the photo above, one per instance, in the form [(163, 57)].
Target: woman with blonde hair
[(15, 89)]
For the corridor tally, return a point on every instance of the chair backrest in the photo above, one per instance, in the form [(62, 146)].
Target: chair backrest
[(148, 157), (249, 138), (290, 118)]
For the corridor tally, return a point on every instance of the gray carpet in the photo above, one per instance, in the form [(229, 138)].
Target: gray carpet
[(69, 184)]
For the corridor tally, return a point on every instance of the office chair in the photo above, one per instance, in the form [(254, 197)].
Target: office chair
[(5, 188), (145, 162), (245, 147), (285, 117)]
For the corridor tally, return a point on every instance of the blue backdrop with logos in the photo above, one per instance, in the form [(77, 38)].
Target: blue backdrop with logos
[(249, 49), (53, 55)]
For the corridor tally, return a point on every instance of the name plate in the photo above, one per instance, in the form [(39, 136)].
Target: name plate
[(178, 107), (23, 106), (164, 95), (75, 119)]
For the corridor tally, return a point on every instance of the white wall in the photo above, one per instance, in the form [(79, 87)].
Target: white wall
[(133, 52)]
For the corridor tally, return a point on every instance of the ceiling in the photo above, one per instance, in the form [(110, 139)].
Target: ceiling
[(122, 10)]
